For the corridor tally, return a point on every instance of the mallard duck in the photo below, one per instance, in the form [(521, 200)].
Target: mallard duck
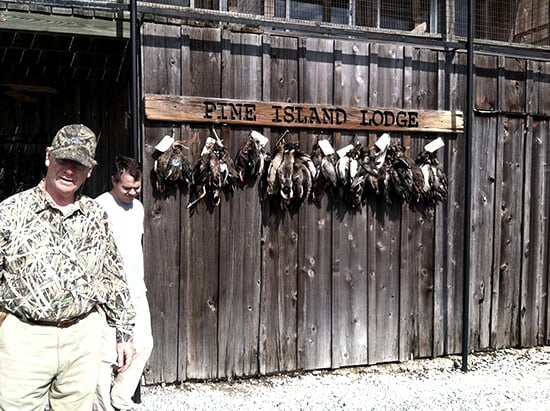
[(400, 173), (213, 173), (272, 182), (305, 174), (291, 174), (352, 174), (324, 162), (172, 166), (285, 173), (251, 158), (371, 171), (435, 187)]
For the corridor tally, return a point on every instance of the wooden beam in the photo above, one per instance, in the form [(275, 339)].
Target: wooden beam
[(49, 23)]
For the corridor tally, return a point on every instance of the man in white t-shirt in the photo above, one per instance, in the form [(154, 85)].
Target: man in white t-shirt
[(115, 389)]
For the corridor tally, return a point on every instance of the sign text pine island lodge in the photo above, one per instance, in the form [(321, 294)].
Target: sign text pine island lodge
[(311, 116)]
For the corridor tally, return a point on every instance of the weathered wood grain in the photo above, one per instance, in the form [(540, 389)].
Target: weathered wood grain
[(278, 319), (349, 231), (506, 271), (533, 301), (201, 55), (482, 223), (383, 261), (240, 228), (161, 241), (315, 224), (51, 23), (537, 96), (421, 225), (440, 223), (253, 113), (408, 324), (485, 83), (453, 219), (251, 288), (513, 79)]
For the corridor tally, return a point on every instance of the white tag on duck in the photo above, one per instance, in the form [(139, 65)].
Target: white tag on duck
[(383, 142), (259, 138), (326, 147), (208, 144), (165, 144), (434, 145), (344, 150)]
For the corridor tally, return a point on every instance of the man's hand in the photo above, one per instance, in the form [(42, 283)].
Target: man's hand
[(125, 354)]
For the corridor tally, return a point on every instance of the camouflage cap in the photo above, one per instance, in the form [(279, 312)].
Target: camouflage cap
[(75, 142)]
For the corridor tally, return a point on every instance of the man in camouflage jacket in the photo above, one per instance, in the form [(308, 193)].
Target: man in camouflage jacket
[(58, 265)]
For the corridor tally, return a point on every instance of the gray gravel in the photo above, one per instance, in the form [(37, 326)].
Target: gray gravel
[(503, 380)]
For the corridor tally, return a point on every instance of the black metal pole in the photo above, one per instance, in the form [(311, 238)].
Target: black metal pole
[(134, 90), (134, 95), (468, 170)]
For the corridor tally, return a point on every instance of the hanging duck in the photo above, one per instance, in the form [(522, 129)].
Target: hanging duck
[(352, 174), (291, 174), (368, 164), (382, 165), (397, 173), (435, 187), (323, 157), (251, 159), (213, 173), (172, 166), (406, 179), (305, 174)]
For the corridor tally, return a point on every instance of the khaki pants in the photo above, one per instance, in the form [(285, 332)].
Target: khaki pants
[(116, 391), (37, 362)]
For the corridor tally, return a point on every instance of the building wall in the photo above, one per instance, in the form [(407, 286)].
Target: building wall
[(247, 288)]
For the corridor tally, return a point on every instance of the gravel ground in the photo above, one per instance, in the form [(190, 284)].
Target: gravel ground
[(503, 380)]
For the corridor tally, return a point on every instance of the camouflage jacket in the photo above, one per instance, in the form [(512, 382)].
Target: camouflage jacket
[(56, 266)]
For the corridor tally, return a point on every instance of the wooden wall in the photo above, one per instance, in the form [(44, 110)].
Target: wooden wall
[(245, 288)]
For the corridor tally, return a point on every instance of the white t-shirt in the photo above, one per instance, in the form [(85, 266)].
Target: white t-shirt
[(127, 223)]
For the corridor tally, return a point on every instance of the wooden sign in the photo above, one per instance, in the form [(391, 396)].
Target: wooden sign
[(293, 115)]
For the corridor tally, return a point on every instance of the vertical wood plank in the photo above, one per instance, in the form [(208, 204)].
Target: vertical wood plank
[(444, 84), (536, 214), (161, 68), (277, 350), (201, 54), (454, 74), (349, 284), (485, 83), (543, 249), (384, 232), (508, 250), (514, 98), (315, 224), (533, 308), (422, 221), (240, 228), (482, 221), (538, 101), (408, 331)]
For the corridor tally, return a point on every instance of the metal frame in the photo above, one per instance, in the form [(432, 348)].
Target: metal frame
[(293, 27), (469, 114)]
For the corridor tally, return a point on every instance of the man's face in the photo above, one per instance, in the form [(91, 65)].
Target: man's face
[(125, 190), (64, 177)]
